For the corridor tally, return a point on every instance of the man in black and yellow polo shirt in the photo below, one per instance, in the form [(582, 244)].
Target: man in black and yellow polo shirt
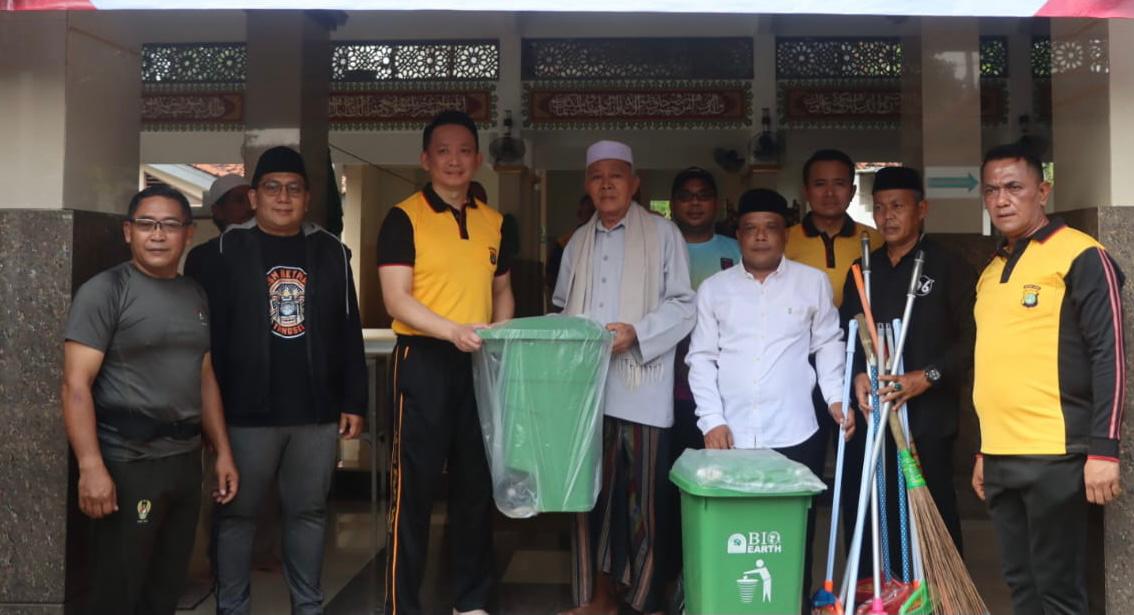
[(444, 273), (828, 239), (1048, 386)]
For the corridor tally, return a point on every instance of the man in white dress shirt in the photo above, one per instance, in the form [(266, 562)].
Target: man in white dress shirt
[(757, 323)]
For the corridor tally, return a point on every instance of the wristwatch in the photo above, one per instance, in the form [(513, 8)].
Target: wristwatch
[(932, 374)]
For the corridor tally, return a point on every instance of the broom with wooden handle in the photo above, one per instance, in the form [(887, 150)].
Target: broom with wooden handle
[(875, 438), (949, 583)]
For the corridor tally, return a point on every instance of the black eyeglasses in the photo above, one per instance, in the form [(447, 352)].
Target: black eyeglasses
[(273, 188), (149, 225)]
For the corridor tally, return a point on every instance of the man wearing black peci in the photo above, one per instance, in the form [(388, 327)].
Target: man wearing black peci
[(939, 344)]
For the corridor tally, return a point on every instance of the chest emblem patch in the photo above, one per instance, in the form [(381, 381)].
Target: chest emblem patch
[(287, 288), (1031, 296), (925, 285)]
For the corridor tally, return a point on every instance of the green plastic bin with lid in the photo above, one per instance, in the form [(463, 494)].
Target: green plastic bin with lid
[(743, 530), (540, 384)]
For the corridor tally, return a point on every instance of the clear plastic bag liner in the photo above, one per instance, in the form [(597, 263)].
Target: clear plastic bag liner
[(742, 473), (540, 386)]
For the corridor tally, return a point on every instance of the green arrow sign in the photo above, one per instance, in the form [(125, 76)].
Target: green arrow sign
[(968, 182)]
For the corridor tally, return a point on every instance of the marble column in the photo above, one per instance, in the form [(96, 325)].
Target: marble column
[(286, 92), (947, 106), (70, 90), (941, 127), (1092, 88)]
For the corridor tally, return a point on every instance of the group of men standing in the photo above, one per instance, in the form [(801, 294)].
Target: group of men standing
[(717, 343), (258, 347)]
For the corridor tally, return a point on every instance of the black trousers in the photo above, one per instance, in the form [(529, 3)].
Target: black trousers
[(140, 554), (811, 453), (1038, 506), (936, 457), (685, 434), (436, 427)]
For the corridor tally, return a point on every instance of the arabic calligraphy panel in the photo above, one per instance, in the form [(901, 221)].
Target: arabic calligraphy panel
[(557, 108)]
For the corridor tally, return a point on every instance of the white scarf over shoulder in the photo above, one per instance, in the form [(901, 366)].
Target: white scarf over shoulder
[(638, 294)]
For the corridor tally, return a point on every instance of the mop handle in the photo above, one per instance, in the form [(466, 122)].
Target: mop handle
[(879, 435), (915, 547), (903, 506), (880, 473), (911, 294), (864, 240), (875, 536), (846, 590), (848, 376), (860, 285)]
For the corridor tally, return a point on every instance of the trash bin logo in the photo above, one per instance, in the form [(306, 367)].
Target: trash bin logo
[(763, 542), (747, 585)]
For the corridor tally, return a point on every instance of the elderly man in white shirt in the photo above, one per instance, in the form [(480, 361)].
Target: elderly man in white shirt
[(757, 324), (629, 270)]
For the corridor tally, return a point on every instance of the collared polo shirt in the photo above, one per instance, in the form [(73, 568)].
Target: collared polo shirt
[(1049, 361), (832, 255), (455, 255)]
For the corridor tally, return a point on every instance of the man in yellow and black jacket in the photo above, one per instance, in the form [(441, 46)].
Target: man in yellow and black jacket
[(444, 273), (1048, 388)]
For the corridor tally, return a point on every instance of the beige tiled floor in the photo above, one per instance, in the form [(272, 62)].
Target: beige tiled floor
[(538, 563), (351, 544)]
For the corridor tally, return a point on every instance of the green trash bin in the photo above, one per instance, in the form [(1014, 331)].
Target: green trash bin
[(743, 530), (540, 384)]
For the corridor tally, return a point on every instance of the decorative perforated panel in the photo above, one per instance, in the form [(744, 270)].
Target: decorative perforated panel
[(993, 57), (1041, 57), (194, 63), (416, 61), (838, 58)]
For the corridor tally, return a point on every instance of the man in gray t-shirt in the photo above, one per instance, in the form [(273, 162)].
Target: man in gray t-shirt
[(138, 391), (153, 333)]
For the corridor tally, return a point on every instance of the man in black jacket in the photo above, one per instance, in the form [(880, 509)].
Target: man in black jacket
[(939, 345), (287, 343)]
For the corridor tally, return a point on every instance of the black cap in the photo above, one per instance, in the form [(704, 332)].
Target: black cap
[(693, 173), (897, 178), (760, 199), (279, 159)]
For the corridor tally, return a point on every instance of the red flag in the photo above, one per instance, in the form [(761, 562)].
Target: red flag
[(1087, 8)]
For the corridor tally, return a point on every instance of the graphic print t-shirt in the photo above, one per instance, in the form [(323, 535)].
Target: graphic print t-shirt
[(285, 272)]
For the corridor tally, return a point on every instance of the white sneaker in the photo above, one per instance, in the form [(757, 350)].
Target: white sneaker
[(474, 612)]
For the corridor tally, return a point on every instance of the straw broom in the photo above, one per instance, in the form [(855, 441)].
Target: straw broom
[(950, 586), (949, 582)]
